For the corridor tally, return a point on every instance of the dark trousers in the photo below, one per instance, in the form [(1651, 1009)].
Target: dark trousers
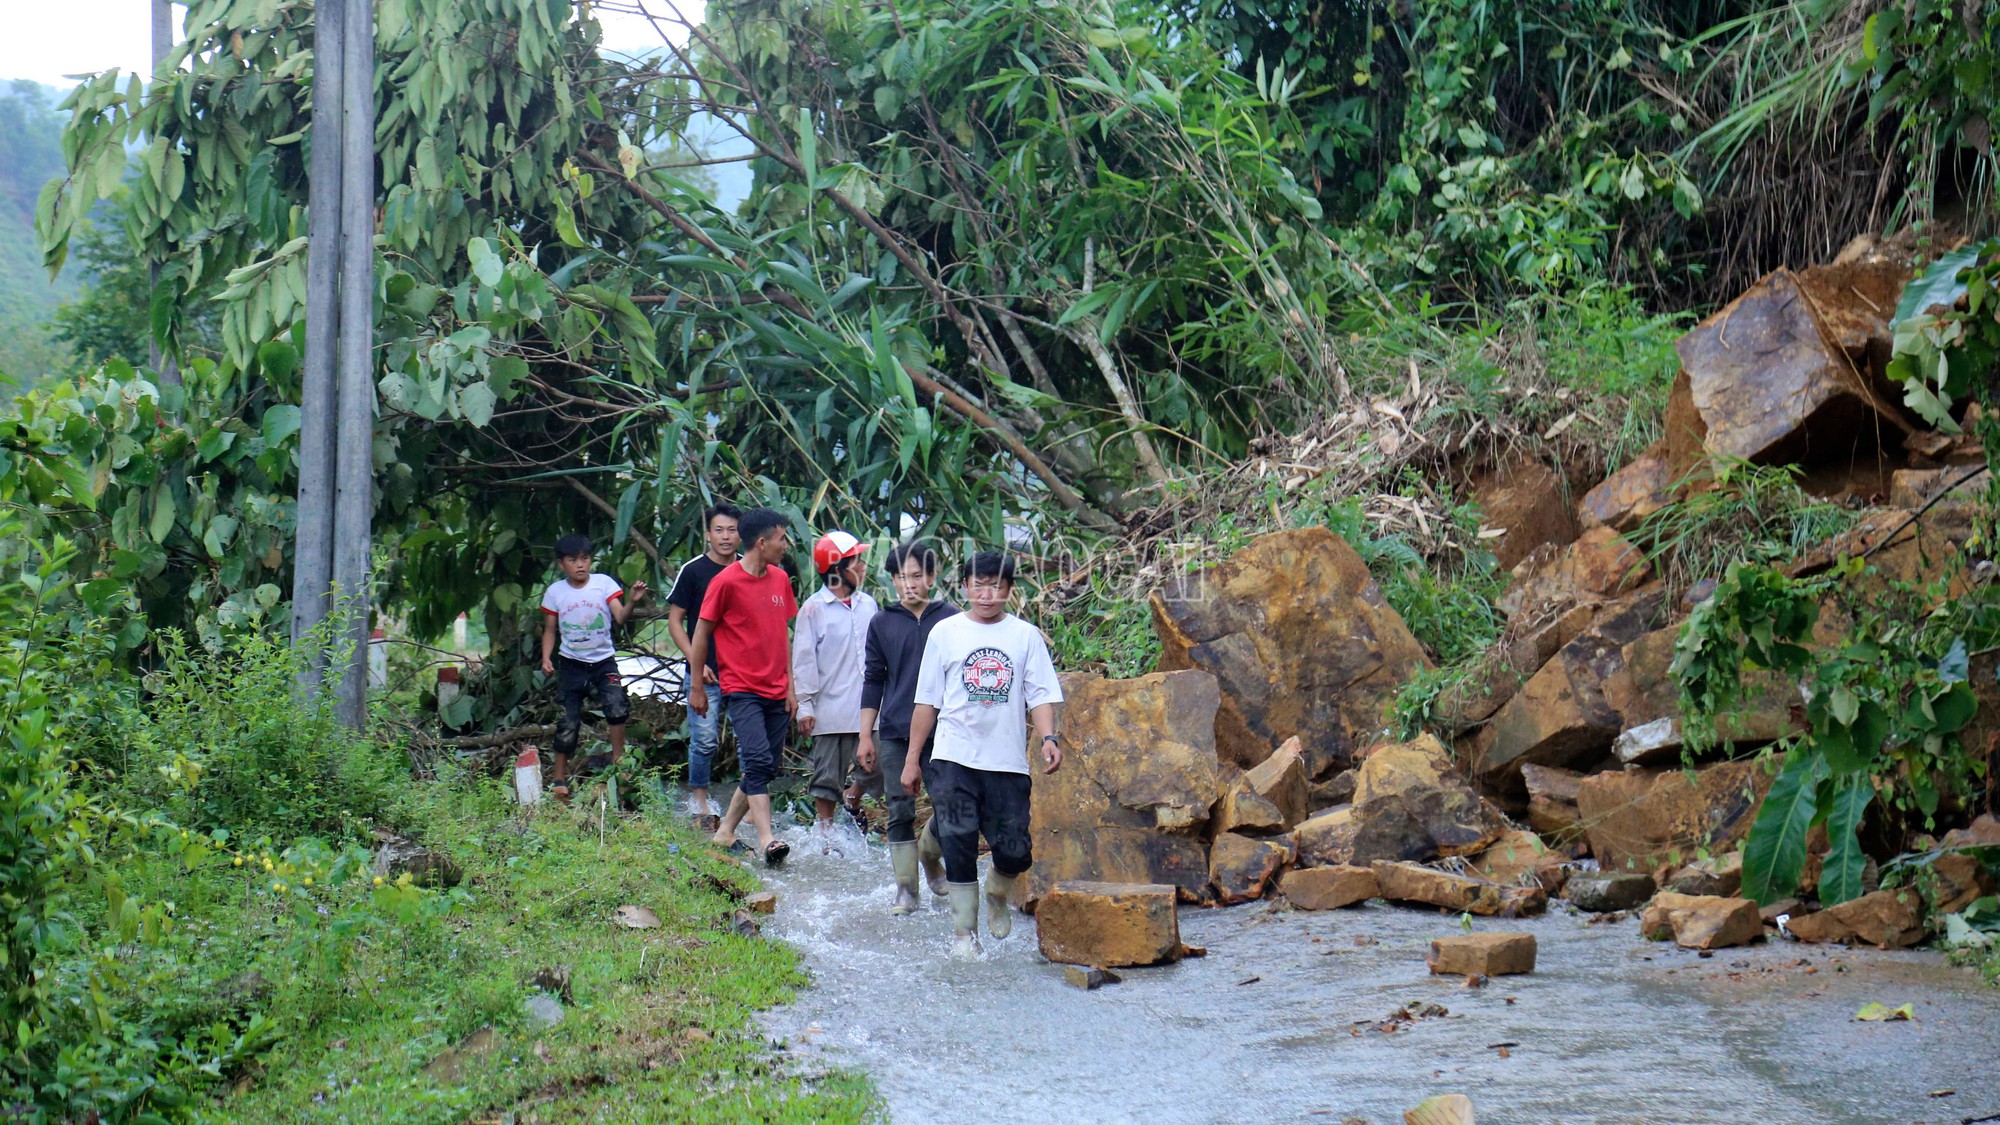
[(890, 755), (761, 726), (578, 680), (967, 803)]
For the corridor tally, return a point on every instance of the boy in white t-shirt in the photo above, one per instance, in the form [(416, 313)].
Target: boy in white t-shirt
[(984, 677), (579, 609)]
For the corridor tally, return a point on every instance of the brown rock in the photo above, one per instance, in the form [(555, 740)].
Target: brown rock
[(1913, 488), (1527, 503), (1326, 839), (1541, 623), (1271, 796), (762, 902), (1624, 499), (1643, 690), (1885, 919), (1983, 832), (1410, 882), (1410, 804), (1138, 779), (1514, 858), (1109, 925), (1328, 888), (1561, 716), (1686, 442), (397, 856), (1854, 300), (1490, 955), (1605, 564), (1241, 868), (1552, 800), (1769, 384), (1088, 979), (1717, 875), (1701, 921), (1241, 810), (1640, 819), (1335, 790), (1961, 880), (1302, 644)]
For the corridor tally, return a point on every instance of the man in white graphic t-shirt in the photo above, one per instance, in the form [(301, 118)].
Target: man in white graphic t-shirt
[(578, 610), (984, 677)]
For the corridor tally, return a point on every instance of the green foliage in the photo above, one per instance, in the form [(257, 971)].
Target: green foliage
[(1943, 353), (1748, 513), (1888, 699), (225, 739)]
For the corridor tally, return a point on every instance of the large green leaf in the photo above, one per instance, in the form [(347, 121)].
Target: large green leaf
[(1775, 854), (1840, 875)]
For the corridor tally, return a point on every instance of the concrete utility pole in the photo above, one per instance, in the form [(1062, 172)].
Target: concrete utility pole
[(337, 414), (164, 366)]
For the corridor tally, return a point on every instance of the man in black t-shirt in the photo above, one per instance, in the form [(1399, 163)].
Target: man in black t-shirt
[(683, 609)]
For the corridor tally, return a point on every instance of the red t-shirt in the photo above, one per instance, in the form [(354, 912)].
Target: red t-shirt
[(749, 613)]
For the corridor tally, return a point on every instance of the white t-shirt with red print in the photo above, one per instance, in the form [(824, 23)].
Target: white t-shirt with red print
[(583, 616), (984, 679)]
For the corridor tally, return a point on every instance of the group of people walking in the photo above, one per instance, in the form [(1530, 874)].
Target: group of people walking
[(922, 694)]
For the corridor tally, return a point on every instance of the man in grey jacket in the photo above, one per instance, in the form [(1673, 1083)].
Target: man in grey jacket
[(827, 660)]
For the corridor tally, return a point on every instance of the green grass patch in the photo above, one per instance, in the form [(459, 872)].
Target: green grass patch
[(422, 1018)]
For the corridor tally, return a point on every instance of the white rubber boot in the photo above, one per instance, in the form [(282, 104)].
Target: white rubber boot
[(932, 858), (999, 904), (903, 859), (965, 920)]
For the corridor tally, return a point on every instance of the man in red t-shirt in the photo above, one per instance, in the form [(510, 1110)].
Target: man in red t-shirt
[(746, 611)]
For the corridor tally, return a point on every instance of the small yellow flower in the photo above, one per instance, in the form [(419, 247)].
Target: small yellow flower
[(277, 888), (237, 862), (378, 880), (309, 880), (267, 865)]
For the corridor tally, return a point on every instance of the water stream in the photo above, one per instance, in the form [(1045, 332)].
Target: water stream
[(1610, 1028)]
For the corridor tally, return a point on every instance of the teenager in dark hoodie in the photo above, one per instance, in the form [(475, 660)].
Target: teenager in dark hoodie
[(896, 637)]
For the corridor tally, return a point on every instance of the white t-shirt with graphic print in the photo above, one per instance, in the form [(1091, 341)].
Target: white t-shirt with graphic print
[(984, 679), (583, 616)]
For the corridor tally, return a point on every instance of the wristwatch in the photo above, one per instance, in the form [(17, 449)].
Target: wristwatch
[(1052, 738)]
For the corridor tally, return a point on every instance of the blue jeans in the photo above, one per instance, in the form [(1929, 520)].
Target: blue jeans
[(704, 733)]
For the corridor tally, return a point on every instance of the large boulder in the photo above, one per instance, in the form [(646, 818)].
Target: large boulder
[(1623, 500), (1562, 716), (1885, 919), (1489, 955), (1301, 641), (1961, 880), (1701, 921), (1515, 857), (1602, 892), (1270, 797), (1552, 801), (1409, 804), (1242, 868), (1770, 384), (1411, 882), (1138, 780), (1109, 925), (1327, 888), (1642, 819)]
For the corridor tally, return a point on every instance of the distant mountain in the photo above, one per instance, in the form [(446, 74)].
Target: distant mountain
[(30, 155)]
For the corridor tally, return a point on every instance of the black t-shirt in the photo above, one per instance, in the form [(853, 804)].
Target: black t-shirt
[(690, 587)]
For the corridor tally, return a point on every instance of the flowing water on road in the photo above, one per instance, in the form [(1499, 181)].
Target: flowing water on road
[(1610, 1028)]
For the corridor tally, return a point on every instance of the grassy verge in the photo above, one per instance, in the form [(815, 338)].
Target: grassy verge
[(422, 1019)]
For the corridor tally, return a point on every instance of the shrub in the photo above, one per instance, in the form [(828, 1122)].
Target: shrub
[(230, 741)]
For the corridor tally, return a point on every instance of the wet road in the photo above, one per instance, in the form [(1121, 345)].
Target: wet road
[(1610, 1028)]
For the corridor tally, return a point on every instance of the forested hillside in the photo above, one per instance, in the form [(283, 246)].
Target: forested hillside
[(30, 155)]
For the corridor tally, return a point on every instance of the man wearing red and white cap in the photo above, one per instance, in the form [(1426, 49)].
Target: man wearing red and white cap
[(828, 658)]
